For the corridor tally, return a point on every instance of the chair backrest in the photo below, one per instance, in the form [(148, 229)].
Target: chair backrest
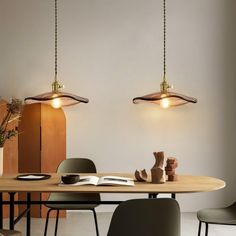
[(146, 217), (77, 165), (234, 205)]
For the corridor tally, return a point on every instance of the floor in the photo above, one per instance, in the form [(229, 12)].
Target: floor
[(81, 223)]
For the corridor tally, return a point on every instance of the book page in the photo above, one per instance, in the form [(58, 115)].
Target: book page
[(84, 180), (115, 180)]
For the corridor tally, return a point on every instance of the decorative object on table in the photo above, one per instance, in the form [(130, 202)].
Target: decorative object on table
[(108, 180), (171, 165), (165, 98), (13, 113), (70, 179), (56, 98), (141, 175), (33, 177), (157, 171)]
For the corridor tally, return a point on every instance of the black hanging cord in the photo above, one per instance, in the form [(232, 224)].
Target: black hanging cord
[(55, 39), (164, 49)]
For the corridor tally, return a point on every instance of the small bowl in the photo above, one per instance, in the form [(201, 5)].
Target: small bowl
[(70, 179)]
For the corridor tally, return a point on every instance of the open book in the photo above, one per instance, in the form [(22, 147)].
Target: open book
[(105, 180)]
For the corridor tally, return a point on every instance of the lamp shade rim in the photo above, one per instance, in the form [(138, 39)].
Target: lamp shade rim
[(158, 96), (71, 99)]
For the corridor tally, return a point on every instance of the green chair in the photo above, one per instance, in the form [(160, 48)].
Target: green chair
[(146, 217), (221, 216), (6, 232), (73, 165)]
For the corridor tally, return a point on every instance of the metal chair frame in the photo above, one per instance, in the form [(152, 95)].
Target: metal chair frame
[(207, 226), (58, 210), (57, 218), (207, 223)]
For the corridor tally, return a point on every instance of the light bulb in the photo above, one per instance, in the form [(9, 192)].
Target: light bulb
[(165, 103), (56, 103)]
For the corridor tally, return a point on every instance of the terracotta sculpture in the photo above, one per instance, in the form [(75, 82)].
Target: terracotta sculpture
[(157, 171), (171, 165), (141, 175)]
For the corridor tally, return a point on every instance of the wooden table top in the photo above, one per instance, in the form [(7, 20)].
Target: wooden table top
[(185, 184)]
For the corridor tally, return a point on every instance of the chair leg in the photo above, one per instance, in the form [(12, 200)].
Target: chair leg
[(199, 228), (56, 226), (206, 232), (95, 220), (46, 224)]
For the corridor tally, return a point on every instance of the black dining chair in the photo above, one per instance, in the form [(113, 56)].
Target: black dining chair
[(73, 165), (146, 217), (6, 232), (220, 216)]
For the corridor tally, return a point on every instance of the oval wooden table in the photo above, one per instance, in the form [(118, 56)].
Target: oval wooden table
[(185, 184)]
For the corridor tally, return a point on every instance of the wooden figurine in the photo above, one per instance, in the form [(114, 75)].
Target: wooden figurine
[(171, 165), (141, 175), (157, 171)]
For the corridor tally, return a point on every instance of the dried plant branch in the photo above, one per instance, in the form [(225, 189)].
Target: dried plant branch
[(14, 109)]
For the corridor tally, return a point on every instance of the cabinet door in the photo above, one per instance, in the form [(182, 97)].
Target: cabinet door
[(42, 144), (30, 140), (29, 149), (53, 144), (53, 138)]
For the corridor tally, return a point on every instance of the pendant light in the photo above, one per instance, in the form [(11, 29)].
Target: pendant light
[(56, 98), (165, 98)]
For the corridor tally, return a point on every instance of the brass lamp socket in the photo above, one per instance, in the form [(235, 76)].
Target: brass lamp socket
[(56, 86), (164, 86)]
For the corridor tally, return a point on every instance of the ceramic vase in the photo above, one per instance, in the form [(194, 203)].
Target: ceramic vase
[(1, 161)]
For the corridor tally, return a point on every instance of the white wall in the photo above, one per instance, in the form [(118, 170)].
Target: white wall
[(111, 51)]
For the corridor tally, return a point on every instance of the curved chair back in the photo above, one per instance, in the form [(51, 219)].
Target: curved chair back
[(74, 165), (146, 217), (77, 165), (221, 216)]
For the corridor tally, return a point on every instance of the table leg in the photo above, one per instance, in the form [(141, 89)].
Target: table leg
[(28, 223), (152, 195), (1, 212), (11, 217)]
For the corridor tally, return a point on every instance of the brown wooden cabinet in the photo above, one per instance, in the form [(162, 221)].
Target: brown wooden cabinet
[(42, 144)]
